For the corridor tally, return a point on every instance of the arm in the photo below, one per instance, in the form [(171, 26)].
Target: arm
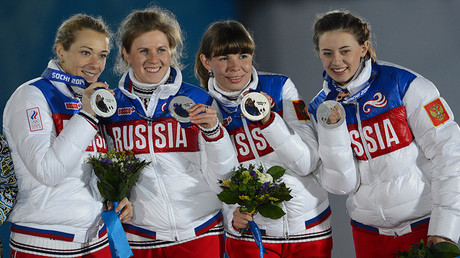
[(8, 183), (47, 156), (438, 136), (218, 156), (338, 171), (292, 136)]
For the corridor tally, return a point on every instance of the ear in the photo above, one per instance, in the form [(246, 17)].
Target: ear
[(126, 56), (365, 48), (60, 51), (205, 62)]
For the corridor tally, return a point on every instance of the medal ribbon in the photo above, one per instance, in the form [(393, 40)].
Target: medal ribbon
[(257, 235), (335, 90), (119, 246), (60, 76)]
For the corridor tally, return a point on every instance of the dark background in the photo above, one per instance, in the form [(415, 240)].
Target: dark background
[(422, 35)]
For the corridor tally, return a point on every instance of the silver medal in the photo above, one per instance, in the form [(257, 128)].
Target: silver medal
[(179, 107), (103, 103), (325, 110), (255, 106)]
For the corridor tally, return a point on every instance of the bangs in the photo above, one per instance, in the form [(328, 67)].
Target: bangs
[(232, 41)]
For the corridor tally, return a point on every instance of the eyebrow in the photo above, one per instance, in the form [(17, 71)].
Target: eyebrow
[(327, 49), (104, 51)]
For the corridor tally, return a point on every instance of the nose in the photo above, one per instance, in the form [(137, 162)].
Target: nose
[(152, 57), (337, 59), (233, 63), (95, 61)]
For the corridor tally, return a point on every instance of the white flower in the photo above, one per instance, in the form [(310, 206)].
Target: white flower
[(264, 178)]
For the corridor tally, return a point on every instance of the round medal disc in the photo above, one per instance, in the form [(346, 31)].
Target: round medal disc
[(179, 107), (103, 103), (255, 106), (326, 109)]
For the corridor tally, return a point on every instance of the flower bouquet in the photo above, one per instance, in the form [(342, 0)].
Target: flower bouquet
[(439, 250), (117, 172), (256, 192)]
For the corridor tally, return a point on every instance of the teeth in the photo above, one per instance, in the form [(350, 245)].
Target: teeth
[(153, 70), (339, 70), (88, 73)]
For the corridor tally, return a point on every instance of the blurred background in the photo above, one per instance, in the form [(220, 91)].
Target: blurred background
[(422, 35)]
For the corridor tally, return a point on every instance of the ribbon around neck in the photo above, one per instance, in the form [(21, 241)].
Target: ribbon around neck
[(119, 246), (257, 235)]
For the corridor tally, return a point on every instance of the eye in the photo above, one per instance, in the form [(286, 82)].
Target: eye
[(244, 56), (144, 51), (103, 56), (85, 53), (222, 58), (161, 50), (327, 54), (345, 51)]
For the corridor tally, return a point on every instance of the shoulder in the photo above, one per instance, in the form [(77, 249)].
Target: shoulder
[(196, 93), (272, 78)]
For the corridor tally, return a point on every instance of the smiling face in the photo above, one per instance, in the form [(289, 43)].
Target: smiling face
[(341, 54), (87, 55), (149, 56), (232, 71)]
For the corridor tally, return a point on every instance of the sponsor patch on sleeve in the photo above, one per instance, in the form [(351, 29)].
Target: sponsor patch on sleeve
[(300, 110), (34, 118), (436, 112)]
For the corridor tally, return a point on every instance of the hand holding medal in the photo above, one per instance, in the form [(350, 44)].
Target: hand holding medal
[(102, 100), (184, 110), (98, 100), (255, 106), (330, 114)]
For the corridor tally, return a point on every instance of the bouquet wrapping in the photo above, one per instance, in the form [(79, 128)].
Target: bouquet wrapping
[(117, 172), (256, 192)]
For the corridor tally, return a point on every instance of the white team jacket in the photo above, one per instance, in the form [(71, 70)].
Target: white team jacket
[(407, 149), (53, 177), (176, 196)]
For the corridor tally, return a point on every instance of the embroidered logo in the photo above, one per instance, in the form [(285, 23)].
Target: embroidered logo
[(34, 118), (378, 101), (72, 105), (163, 107), (227, 121), (125, 111), (300, 110), (437, 113)]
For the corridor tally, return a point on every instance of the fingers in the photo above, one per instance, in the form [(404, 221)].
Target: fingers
[(201, 108), (125, 208), (85, 99), (204, 115), (241, 219)]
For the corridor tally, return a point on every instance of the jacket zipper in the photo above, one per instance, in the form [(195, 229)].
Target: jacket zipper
[(368, 155), (257, 158), (159, 180)]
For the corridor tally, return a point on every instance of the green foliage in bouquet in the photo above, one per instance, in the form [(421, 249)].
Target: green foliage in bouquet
[(439, 250), (256, 191), (117, 172)]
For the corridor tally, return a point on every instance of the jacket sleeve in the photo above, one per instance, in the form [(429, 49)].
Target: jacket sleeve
[(218, 157), (8, 183), (48, 157), (432, 123), (338, 171), (292, 137)]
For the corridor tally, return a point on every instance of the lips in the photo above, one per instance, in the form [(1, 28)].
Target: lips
[(89, 76), (339, 70), (235, 79), (152, 70)]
